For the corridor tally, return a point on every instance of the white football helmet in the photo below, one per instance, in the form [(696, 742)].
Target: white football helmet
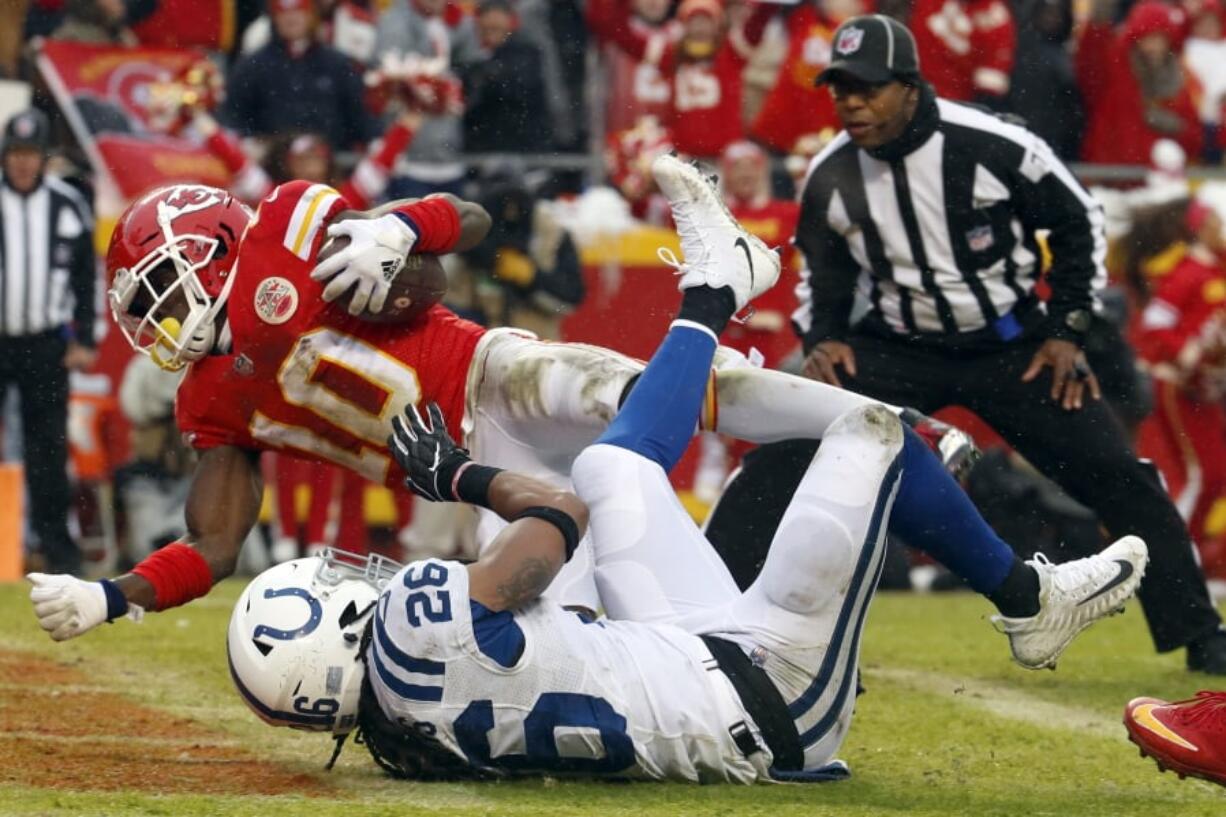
[(294, 639)]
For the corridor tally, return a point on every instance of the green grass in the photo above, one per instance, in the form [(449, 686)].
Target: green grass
[(949, 727)]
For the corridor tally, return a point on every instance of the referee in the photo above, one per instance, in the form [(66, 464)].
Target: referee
[(929, 208), (47, 275)]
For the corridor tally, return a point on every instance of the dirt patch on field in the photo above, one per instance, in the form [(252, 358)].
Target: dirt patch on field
[(54, 734)]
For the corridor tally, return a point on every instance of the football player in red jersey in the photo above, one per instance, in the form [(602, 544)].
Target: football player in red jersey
[(276, 366)]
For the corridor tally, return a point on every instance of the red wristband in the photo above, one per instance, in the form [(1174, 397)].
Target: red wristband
[(178, 574), (436, 222)]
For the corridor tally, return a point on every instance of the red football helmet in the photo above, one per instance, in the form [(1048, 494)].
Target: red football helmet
[(170, 261)]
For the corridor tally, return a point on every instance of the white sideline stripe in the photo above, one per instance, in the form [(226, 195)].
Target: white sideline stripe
[(138, 740), (1005, 702)]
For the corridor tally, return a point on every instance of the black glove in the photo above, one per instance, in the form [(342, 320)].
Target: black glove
[(428, 455)]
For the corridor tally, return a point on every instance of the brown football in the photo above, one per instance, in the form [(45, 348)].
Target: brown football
[(419, 285)]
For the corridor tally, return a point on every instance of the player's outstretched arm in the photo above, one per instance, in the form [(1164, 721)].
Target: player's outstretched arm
[(222, 506), (546, 522)]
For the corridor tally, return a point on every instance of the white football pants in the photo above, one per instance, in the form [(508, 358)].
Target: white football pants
[(802, 618), (534, 405)]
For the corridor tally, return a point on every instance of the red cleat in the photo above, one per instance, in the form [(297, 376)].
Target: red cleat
[(1187, 737)]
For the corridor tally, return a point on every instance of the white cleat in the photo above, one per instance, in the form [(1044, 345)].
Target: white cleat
[(1072, 596), (718, 251)]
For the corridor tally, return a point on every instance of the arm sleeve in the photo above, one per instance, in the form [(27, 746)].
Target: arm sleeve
[(370, 177), (827, 287), (84, 284), (1050, 198)]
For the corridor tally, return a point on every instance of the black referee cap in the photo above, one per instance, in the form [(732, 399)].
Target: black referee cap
[(27, 129), (873, 48)]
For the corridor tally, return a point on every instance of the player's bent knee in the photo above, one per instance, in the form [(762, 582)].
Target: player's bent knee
[(873, 424), (814, 562)]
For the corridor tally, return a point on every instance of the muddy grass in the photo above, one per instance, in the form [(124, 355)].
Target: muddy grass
[(58, 731)]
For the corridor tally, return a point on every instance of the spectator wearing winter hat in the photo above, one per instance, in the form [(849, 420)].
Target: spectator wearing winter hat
[(1136, 88)]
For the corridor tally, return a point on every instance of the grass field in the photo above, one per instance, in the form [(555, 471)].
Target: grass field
[(142, 720)]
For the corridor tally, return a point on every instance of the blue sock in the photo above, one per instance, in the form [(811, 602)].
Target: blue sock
[(933, 514), (660, 414)]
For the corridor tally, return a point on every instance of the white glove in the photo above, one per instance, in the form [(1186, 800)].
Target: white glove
[(376, 252), (67, 607)]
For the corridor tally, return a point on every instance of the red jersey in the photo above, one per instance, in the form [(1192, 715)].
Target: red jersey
[(769, 330), (966, 47), (795, 106), (302, 375)]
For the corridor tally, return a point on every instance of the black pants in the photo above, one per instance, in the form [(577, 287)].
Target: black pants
[(35, 365), (1085, 452)]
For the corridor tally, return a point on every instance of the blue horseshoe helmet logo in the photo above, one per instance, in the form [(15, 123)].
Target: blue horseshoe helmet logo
[(317, 614)]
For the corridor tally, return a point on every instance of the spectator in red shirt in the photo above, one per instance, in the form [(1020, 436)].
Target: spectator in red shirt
[(966, 48), (795, 105), (1136, 88), (1182, 337), (636, 86)]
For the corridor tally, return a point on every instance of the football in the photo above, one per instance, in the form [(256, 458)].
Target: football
[(419, 285)]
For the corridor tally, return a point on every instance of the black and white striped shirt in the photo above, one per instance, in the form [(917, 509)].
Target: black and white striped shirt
[(47, 262), (941, 240)]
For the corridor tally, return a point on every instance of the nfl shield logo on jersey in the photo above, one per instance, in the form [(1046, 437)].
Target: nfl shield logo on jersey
[(980, 238), (849, 41), (276, 300)]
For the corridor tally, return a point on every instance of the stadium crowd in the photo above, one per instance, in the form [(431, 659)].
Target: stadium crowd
[(510, 101)]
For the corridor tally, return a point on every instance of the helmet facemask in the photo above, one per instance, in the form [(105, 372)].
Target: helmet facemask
[(160, 304)]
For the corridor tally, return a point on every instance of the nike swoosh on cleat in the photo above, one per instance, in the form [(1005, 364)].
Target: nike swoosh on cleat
[(744, 245), (1143, 716), (1119, 578)]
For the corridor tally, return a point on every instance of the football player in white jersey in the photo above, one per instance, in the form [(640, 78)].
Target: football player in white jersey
[(465, 669)]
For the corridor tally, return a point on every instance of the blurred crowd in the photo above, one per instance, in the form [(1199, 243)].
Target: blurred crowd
[(512, 103)]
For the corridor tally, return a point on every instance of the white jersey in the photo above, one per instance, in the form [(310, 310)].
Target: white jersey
[(543, 690)]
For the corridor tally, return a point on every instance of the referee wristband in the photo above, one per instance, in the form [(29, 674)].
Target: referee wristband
[(561, 520)]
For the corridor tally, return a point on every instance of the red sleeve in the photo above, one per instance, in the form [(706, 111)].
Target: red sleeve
[(294, 216), (249, 181), (993, 41), (369, 178), (754, 27), (1095, 52), (610, 20)]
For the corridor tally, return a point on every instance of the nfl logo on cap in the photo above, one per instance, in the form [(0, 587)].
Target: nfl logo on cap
[(25, 126), (849, 40)]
